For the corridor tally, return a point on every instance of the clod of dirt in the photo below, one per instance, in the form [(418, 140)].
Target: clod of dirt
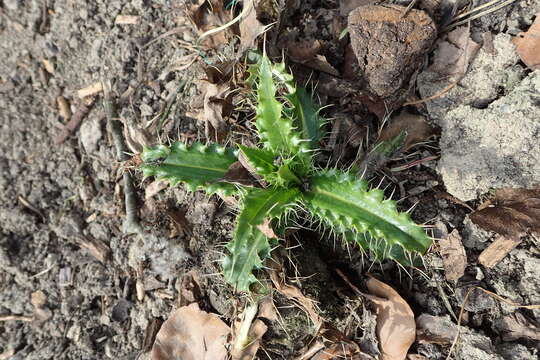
[(517, 326), (494, 147), (435, 329), (388, 46)]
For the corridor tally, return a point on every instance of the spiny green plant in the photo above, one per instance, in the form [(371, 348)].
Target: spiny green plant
[(289, 128)]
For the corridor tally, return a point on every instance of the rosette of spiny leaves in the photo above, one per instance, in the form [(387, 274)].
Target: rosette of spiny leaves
[(289, 128)]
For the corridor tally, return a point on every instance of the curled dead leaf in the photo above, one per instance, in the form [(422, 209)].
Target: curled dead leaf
[(210, 14), (528, 45), (454, 54), (396, 328), (238, 174), (250, 26), (191, 334), (453, 255)]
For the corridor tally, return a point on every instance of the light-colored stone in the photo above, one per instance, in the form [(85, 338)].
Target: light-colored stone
[(493, 147), (90, 134)]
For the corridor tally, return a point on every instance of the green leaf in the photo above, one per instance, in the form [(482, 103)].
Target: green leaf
[(197, 166), (304, 111), (261, 160), (275, 131), (308, 116), (250, 247), (345, 203)]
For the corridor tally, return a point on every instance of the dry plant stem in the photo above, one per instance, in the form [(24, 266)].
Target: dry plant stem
[(242, 338), (462, 310), (16, 318), (131, 224), (437, 95), (476, 16)]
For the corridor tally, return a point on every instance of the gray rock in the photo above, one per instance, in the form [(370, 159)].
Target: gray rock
[(90, 134), (488, 73), (473, 236), (494, 147)]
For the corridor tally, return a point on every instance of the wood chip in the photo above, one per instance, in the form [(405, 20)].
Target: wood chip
[(48, 66), (63, 108), (453, 255), (93, 89), (97, 248), (498, 249), (127, 20), (38, 299)]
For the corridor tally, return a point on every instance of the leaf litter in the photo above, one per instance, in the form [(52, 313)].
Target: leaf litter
[(528, 45), (512, 214), (192, 334), (396, 328)]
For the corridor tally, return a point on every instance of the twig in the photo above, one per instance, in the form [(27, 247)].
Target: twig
[(131, 224), (456, 21), (16, 318), (409, 7), (75, 121)]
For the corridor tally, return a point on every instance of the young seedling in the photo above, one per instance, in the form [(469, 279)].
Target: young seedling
[(289, 128)]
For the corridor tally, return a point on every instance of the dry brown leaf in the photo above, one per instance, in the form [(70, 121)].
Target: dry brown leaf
[(250, 27), (396, 329), (453, 255), (454, 54), (302, 51), (238, 174), (182, 227), (217, 104), (528, 45), (517, 326), (210, 14), (515, 214), (191, 334), (415, 126), (341, 350), (267, 309)]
